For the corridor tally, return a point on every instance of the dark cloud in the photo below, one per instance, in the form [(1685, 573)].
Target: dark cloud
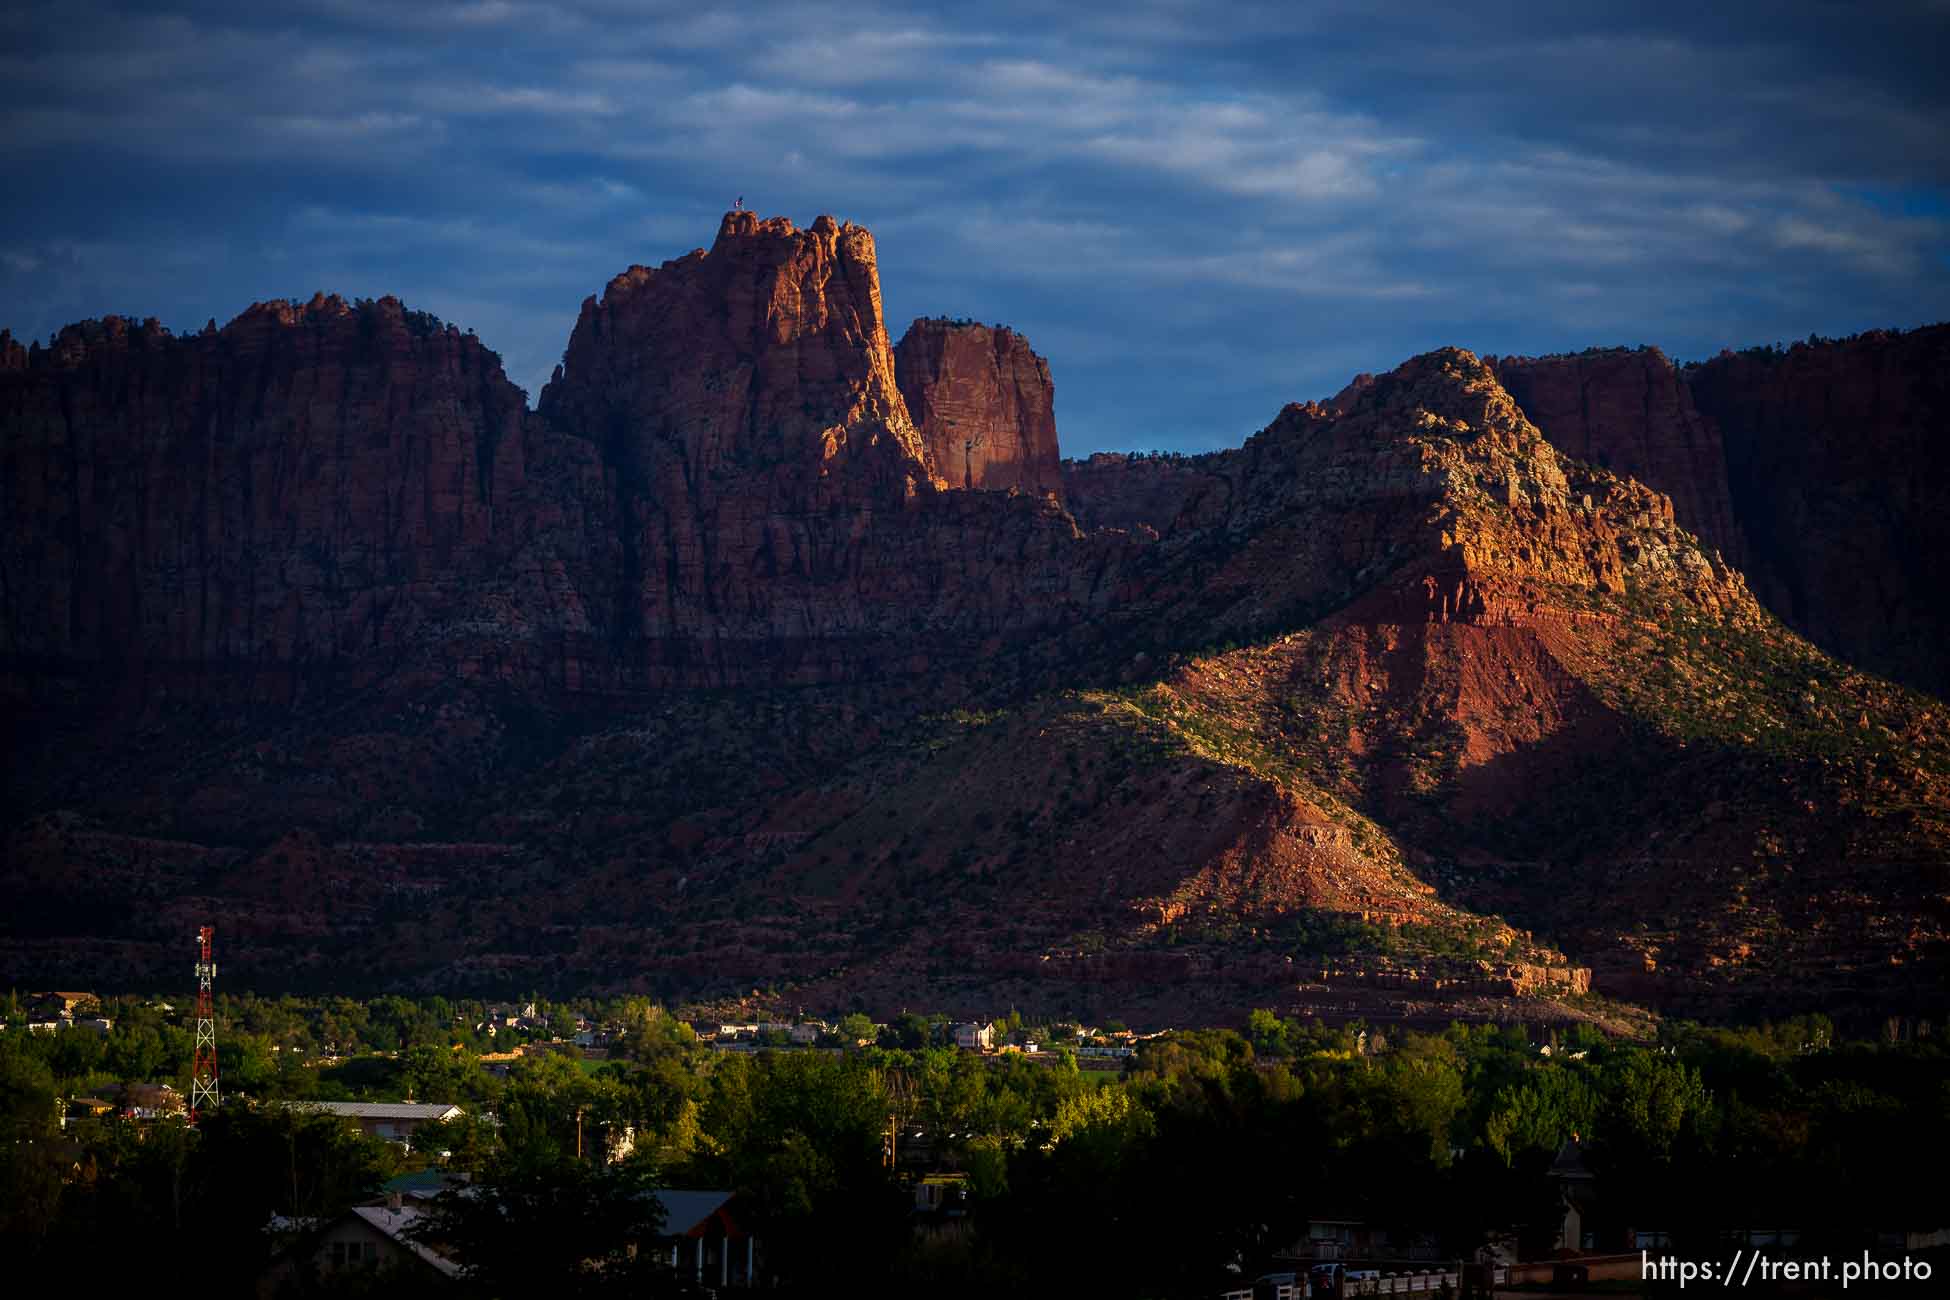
[(1197, 214)]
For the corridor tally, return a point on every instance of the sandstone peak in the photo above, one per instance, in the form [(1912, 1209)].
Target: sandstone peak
[(984, 405), (743, 228), (771, 348), (1629, 410), (1447, 392)]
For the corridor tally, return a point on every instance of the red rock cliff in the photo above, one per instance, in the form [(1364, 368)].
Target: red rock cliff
[(314, 482), (1818, 470), (1632, 413), (1161, 493), (1836, 464), (722, 486), (777, 516), (984, 405)]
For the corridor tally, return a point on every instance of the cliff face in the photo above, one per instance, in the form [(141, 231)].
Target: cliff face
[(776, 514), (1837, 468), (722, 485), (767, 352), (984, 405), (1818, 471), (1154, 493), (1632, 412), (311, 484)]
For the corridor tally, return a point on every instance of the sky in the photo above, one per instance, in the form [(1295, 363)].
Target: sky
[(1197, 213)]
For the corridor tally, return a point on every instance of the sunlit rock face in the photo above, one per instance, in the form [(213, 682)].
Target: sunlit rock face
[(984, 405), (1818, 470)]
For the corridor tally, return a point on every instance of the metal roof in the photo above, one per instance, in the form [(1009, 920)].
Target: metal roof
[(380, 1109), (394, 1223)]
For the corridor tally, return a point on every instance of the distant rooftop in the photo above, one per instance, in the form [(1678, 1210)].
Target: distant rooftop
[(394, 1224), (686, 1211), (380, 1109)]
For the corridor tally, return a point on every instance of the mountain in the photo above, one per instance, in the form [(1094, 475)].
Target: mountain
[(1633, 412), (1816, 468), (697, 680)]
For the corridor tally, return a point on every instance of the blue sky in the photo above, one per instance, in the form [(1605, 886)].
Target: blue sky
[(1196, 213)]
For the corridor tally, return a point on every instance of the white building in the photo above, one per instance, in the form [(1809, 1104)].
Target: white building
[(973, 1037)]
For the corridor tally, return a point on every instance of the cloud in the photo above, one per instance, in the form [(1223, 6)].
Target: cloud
[(1195, 220)]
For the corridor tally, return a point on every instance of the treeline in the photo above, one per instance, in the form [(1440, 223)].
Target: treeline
[(274, 1047), (1219, 1143)]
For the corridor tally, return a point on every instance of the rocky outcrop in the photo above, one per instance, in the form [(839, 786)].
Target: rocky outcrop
[(1432, 499), (776, 513), (984, 405), (767, 353), (314, 483), (1631, 412), (722, 485), (1345, 399), (1836, 466), (1147, 494), (1816, 469)]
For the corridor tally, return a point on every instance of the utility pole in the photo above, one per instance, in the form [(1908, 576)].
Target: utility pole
[(203, 1066)]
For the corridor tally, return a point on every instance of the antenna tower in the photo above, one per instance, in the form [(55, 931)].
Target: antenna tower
[(203, 1069)]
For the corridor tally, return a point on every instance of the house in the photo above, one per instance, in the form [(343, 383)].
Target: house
[(1340, 1237), (944, 1195), (85, 1108), (707, 1241), (1574, 1182), (973, 1037), (151, 1101), (64, 1005), (366, 1237), (393, 1121), (419, 1186), (97, 1025)]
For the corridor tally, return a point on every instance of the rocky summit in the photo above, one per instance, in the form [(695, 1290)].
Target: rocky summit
[(984, 405), (764, 655)]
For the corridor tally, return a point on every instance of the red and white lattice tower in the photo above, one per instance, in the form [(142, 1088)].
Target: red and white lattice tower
[(203, 1067)]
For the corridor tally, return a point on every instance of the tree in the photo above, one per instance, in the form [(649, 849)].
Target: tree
[(911, 1032), (559, 1227), (856, 1028), (1267, 1033), (136, 1052), (245, 1063), (31, 1172)]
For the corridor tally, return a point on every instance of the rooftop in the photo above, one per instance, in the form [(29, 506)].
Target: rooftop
[(686, 1211), (394, 1223), (440, 1110)]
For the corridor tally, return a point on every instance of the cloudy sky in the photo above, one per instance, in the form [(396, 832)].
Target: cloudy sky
[(1196, 212)]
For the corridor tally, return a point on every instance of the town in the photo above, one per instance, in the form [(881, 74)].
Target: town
[(384, 1143)]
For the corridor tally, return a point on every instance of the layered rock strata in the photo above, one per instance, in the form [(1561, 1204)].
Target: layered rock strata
[(312, 484), (984, 405), (1816, 469), (1632, 412), (1837, 470)]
